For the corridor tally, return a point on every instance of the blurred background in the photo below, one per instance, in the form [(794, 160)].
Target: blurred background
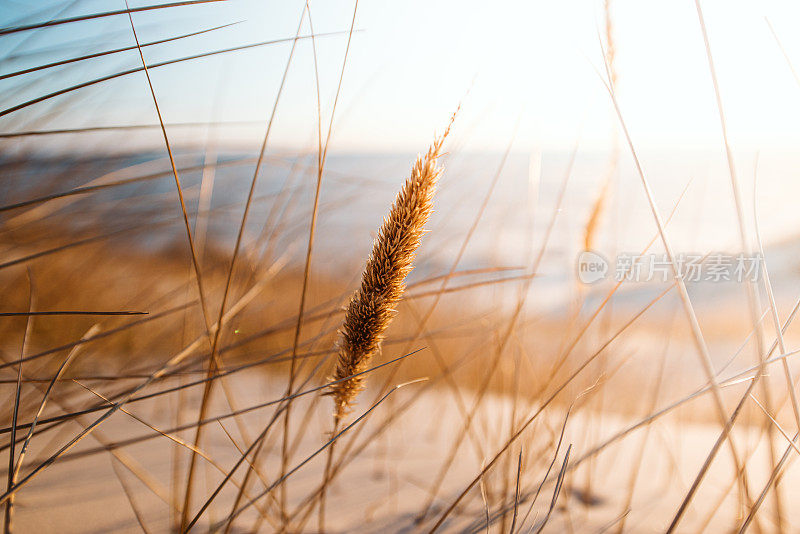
[(130, 251)]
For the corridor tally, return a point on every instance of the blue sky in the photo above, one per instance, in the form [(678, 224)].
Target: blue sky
[(524, 67)]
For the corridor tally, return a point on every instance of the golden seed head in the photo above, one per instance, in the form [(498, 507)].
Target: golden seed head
[(372, 306)]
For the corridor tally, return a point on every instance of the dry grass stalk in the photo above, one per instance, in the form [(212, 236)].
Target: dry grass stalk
[(593, 223), (371, 307)]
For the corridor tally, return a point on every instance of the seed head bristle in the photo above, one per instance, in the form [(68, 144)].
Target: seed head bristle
[(372, 306)]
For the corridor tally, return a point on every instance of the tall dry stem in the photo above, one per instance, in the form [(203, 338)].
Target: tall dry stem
[(372, 306)]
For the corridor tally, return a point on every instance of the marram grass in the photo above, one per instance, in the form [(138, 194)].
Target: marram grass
[(372, 306)]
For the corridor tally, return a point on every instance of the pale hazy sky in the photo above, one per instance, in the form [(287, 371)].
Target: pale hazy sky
[(534, 63)]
